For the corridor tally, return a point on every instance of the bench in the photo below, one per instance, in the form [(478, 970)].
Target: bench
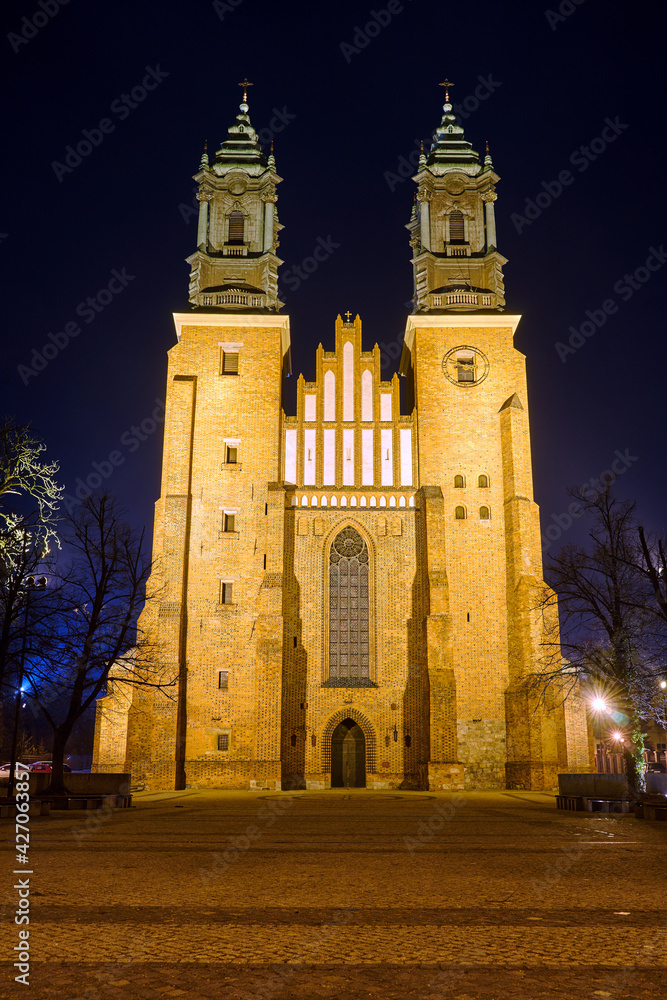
[(593, 803)]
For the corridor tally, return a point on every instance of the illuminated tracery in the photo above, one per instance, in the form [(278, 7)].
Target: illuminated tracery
[(348, 608)]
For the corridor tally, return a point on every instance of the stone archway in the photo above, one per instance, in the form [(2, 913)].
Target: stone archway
[(348, 756), (351, 715)]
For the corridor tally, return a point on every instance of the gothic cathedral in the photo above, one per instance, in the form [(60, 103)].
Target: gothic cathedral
[(347, 596)]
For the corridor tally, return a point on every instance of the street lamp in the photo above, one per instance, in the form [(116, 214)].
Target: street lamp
[(29, 584), (663, 687), (599, 706)]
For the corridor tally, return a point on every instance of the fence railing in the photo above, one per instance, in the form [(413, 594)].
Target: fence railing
[(614, 763)]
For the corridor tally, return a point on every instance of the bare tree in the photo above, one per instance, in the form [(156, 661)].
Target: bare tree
[(28, 481), (29, 498), (605, 631), (97, 592), (654, 566)]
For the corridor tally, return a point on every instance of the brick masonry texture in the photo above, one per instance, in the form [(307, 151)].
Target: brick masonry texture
[(453, 631)]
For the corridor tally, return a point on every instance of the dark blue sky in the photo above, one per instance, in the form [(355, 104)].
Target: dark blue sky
[(345, 118)]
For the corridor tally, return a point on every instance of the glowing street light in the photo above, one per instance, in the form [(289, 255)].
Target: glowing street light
[(663, 685), (599, 705)]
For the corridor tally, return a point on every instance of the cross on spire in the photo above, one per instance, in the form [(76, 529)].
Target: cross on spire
[(245, 83), (446, 84), (347, 315)]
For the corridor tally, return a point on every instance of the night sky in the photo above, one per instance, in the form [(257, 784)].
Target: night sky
[(346, 108)]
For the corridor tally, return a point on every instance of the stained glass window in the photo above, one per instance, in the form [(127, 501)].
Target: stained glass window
[(348, 607)]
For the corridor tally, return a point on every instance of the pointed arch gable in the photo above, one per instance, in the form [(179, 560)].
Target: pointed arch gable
[(367, 729), (349, 521)]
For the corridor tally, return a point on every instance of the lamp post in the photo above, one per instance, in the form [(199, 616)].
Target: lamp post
[(663, 688), (30, 583), (619, 740), (599, 706)]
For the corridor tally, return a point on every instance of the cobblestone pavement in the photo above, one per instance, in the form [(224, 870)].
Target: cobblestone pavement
[(487, 896)]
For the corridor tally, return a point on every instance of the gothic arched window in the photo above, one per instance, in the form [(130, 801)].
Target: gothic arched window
[(236, 227), (348, 609)]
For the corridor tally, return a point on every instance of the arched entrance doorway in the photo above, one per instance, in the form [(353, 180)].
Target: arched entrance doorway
[(348, 756)]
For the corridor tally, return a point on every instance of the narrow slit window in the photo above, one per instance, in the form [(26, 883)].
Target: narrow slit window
[(229, 522), (460, 513), (230, 363), (225, 593), (232, 455), (223, 680), (456, 228), (223, 741), (236, 227)]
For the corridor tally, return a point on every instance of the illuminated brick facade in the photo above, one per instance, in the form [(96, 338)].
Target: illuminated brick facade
[(349, 580)]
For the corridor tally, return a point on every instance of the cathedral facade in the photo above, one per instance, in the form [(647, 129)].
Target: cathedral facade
[(348, 596)]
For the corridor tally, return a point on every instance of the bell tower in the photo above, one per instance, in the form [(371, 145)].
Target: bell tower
[(480, 524), (235, 265), (219, 519), (456, 264)]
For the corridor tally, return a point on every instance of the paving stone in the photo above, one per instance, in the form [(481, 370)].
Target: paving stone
[(511, 900)]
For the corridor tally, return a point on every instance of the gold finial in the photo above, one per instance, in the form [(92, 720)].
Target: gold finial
[(487, 147), (422, 147), (245, 84), (272, 147), (347, 315), (446, 84)]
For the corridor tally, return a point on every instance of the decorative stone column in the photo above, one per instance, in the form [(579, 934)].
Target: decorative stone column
[(269, 199), (203, 197), (425, 219), (489, 197)]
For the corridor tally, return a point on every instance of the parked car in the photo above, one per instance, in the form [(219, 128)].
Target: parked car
[(655, 768), (20, 768), (46, 765)]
